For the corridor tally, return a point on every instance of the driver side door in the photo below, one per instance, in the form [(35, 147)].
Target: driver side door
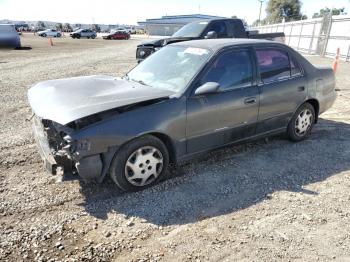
[(231, 113)]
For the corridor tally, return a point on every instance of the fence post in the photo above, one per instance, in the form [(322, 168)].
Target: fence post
[(312, 37), (301, 31), (328, 32), (290, 34), (348, 54)]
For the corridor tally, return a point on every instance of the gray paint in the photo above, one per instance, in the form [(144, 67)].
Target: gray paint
[(191, 123)]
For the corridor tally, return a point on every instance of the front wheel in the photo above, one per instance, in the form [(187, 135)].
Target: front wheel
[(301, 123), (140, 163)]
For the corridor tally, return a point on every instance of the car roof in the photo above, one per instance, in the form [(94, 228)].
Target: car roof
[(217, 44), (7, 25)]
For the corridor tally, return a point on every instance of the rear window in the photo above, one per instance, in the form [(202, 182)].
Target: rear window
[(7, 29), (273, 64)]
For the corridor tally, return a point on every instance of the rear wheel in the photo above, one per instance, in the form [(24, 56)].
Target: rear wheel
[(301, 123), (93, 36), (140, 163), (58, 35)]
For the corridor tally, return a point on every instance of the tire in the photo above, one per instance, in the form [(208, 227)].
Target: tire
[(93, 37), (58, 35), (139, 163), (302, 122), (78, 36), (43, 35)]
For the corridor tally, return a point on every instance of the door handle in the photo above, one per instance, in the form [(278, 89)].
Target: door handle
[(250, 100), (301, 88)]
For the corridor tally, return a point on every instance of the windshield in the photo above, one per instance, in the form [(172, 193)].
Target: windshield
[(171, 68), (7, 29), (191, 30)]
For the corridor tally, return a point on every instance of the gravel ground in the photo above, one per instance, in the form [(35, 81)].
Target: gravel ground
[(270, 200)]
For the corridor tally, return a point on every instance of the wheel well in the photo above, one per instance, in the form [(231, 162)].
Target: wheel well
[(316, 106), (169, 144)]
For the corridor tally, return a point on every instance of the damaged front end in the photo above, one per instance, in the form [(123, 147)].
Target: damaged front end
[(61, 154)]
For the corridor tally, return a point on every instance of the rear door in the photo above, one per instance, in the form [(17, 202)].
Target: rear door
[(282, 86), (231, 113)]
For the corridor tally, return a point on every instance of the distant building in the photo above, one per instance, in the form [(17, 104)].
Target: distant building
[(168, 25)]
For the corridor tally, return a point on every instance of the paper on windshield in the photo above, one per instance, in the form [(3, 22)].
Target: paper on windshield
[(196, 51)]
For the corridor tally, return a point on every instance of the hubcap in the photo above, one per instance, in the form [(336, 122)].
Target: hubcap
[(143, 166), (303, 122)]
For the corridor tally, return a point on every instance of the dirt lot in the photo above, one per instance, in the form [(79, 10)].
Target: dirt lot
[(271, 200)]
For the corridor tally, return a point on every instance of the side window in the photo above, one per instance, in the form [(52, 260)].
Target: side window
[(295, 67), (219, 27), (273, 64), (231, 69)]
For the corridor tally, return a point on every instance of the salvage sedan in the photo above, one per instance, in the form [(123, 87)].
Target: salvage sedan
[(186, 99)]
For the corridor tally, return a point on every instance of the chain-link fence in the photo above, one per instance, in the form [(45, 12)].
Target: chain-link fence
[(320, 36)]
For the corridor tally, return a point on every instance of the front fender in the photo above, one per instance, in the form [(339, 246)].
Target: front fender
[(167, 117)]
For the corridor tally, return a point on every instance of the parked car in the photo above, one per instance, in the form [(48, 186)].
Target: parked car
[(117, 35), (9, 36), (186, 99), (131, 30), (87, 33), (50, 33), (208, 29)]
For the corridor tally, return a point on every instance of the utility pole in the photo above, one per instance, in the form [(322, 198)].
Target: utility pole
[(261, 2)]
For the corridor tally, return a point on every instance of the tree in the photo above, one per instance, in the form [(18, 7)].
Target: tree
[(40, 25), (67, 27), (96, 28), (324, 11), (288, 9), (258, 23), (59, 26)]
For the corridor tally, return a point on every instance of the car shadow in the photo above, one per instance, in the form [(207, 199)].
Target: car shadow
[(17, 48), (230, 179), (24, 48)]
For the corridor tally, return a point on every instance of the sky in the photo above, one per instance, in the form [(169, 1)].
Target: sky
[(131, 11)]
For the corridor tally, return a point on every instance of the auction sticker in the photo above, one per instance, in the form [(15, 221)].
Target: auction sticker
[(196, 51)]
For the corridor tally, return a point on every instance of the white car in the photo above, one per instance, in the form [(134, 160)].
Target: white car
[(50, 33)]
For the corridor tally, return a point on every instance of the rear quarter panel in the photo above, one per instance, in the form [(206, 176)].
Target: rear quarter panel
[(322, 87)]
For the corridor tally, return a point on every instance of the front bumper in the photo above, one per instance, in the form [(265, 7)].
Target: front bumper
[(58, 160), (54, 161)]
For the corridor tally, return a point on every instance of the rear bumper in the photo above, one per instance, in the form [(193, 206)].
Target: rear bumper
[(10, 43)]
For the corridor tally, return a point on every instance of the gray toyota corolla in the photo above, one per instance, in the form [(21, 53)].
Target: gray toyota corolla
[(183, 100)]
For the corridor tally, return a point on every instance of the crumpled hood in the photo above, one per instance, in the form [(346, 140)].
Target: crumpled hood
[(66, 100)]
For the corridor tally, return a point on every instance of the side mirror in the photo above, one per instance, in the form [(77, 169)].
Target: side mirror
[(211, 35), (207, 88)]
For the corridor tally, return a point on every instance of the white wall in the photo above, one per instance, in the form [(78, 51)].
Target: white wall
[(308, 36)]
